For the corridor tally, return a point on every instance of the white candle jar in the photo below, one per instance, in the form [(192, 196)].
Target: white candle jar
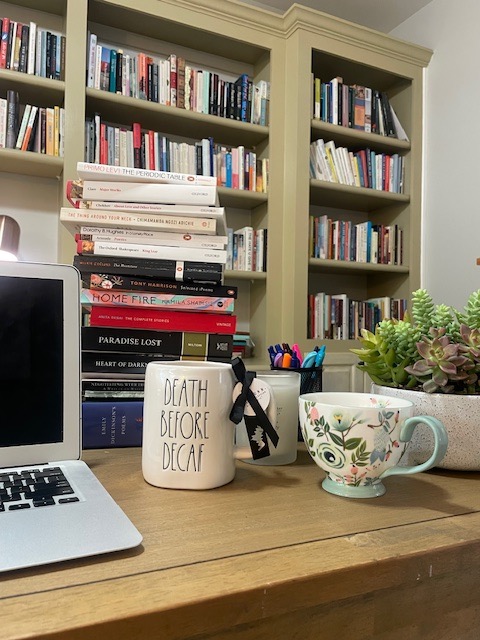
[(286, 390)]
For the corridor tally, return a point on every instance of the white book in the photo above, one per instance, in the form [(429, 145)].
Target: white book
[(323, 159), (75, 219), (95, 171), (3, 122), (148, 192), (92, 49), (401, 134), (23, 126), (247, 255), (32, 39), (167, 238), (98, 66), (337, 172), (193, 254)]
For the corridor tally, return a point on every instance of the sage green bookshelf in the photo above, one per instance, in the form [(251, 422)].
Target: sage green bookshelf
[(233, 38)]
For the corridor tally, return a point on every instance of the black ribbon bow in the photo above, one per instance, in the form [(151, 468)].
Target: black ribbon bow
[(259, 425)]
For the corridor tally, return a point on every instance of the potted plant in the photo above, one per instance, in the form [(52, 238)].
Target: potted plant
[(432, 358)]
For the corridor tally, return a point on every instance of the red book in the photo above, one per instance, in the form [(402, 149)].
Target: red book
[(151, 149), (202, 322), (137, 145), (4, 42)]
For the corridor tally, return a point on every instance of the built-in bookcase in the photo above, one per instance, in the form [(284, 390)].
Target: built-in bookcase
[(288, 51)]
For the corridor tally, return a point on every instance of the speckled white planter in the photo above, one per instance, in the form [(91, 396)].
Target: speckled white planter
[(461, 417)]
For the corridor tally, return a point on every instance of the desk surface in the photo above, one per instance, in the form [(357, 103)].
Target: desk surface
[(271, 555)]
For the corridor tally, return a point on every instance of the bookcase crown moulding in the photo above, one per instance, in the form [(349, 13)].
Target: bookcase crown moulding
[(284, 50)]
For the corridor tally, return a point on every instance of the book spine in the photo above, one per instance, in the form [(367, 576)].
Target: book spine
[(164, 321), (93, 171), (157, 342), (148, 192), (167, 238), (12, 119), (130, 220), (157, 300), (111, 387), (167, 269), (151, 207), (135, 363), (112, 424), (194, 254), (109, 281)]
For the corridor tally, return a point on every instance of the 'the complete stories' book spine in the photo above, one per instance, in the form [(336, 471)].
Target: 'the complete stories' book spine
[(94, 171), (143, 268), (157, 342), (162, 320), (112, 424), (110, 281), (156, 301)]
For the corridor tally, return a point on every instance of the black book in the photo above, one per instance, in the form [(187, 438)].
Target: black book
[(147, 341), (135, 363), (22, 63), (166, 269), (387, 115)]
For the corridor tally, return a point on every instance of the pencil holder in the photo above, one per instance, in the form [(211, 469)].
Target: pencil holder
[(310, 382)]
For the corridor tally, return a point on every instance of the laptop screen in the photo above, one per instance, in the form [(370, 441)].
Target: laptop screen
[(39, 363), (31, 361)]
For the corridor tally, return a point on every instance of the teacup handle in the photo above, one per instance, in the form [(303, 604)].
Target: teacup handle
[(440, 445)]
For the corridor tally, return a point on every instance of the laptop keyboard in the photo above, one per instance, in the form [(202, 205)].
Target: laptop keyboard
[(31, 488)]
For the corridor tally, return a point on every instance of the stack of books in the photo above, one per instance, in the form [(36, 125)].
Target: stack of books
[(151, 251)]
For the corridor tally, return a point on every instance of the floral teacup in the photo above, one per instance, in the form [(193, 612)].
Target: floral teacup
[(359, 438)]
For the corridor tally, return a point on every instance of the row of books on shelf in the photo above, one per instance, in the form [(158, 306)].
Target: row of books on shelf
[(31, 128), (246, 249), (363, 168), (173, 81), (234, 167), (27, 48), (362, 242), (355, 106), (338, 317)]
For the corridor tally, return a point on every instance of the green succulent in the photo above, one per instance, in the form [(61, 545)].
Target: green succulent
[(435, 349)]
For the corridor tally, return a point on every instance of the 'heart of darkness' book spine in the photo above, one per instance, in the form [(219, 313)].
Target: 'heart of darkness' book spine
[(143, 268), (134, 363)]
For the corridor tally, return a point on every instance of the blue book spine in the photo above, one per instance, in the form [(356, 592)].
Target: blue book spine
[(113, 71), (228, 169), (107, 424)]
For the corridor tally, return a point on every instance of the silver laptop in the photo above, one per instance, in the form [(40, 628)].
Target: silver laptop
[(52, 507)]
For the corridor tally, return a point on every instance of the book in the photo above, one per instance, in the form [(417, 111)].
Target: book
[(135, 364), (157, 342), (101, 388), (190, 211), (140, 192), (167, 269), (112, 424), (162, 320), (194, 254), (156, 300), (73, 219), (130, 283), (160, 238), (95, 171)]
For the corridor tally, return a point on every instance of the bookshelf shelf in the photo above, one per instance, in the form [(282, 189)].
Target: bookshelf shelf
[(28, 163), (339, 266), (241, 198), (354, 139), (332, 194), (34, 89), (124, 109), (245, 275)]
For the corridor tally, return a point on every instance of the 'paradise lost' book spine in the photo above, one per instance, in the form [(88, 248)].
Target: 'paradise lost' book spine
[(162, 320), (157, 342), (135, 363), (109, 281), (112, 424), (168, 269), (156, 300)]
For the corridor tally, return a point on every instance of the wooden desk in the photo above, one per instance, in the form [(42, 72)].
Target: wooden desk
[(269, 556)]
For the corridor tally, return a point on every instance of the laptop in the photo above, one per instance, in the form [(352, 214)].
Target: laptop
[(52, 507)]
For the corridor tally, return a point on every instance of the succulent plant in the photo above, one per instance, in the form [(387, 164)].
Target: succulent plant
[(436, 348)]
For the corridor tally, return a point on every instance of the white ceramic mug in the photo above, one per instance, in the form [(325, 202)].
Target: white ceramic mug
[(188, 438)]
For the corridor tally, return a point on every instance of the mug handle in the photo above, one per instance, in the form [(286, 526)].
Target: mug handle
[(440, 445)]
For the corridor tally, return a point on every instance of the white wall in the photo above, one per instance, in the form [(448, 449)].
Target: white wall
[(33, 203), (451, 229)]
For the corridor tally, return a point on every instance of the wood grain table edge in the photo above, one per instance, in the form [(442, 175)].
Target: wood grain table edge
[(209, 596)]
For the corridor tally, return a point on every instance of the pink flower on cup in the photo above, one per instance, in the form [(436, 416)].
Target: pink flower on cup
[(314, 415)]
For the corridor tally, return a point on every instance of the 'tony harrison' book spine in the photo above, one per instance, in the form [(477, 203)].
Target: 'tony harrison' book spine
[(115, 282)]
